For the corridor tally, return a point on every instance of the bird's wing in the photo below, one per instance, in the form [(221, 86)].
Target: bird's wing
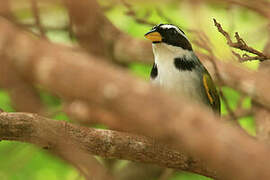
[(211, 92)]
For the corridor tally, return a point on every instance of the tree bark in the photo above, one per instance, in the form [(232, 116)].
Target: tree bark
[(57, 135)]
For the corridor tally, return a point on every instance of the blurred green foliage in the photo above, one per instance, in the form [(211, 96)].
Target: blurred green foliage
[(23, 161)]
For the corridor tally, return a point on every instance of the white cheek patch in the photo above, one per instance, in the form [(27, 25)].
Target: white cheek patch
[(168, 26)]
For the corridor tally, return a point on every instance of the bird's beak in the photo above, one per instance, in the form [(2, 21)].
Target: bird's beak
[(154, 36)]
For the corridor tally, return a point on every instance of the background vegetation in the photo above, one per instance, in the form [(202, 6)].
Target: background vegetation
[(23, 161)]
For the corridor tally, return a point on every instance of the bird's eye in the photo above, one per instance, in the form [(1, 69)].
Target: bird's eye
[(172, 31)]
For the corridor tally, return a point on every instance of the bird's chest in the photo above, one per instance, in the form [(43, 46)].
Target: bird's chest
[(182, 82)]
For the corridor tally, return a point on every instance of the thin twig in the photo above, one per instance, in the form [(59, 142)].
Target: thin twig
[(163, 16), (36, 13), (240, 113), (131, 12), (241, 45)]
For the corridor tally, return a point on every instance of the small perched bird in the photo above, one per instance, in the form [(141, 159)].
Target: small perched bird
[(178, 69)]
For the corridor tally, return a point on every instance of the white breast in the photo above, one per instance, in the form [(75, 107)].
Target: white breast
[(183, 83)]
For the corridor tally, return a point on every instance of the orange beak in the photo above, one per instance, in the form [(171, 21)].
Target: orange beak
[(154, 36)]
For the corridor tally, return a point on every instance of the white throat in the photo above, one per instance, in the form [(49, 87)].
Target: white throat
[(169, 77), (165, 53)]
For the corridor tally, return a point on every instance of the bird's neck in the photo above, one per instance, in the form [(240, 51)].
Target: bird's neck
[(165, 54)]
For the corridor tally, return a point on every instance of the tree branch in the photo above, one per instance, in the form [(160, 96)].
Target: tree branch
[(110, 42), (132, 13), (51, 135), (241, 44), (36, 13), (261, 114), (19, 89)]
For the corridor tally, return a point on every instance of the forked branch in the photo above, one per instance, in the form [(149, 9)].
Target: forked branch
[(241, 45)]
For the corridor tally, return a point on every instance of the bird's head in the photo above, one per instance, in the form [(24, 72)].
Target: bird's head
[(169, 34)]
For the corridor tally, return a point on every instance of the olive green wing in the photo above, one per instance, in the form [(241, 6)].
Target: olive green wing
[(211, 92)]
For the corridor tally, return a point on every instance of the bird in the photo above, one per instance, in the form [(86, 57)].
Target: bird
[(177, 69)]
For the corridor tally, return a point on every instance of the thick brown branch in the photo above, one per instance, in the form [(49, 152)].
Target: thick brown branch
[(19, 89), (60, 138), (52, 135), (88, 21), (262, 115), (100, 37), (5, 9)]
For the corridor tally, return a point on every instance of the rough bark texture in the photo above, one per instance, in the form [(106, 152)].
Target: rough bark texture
[(52, 135)]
